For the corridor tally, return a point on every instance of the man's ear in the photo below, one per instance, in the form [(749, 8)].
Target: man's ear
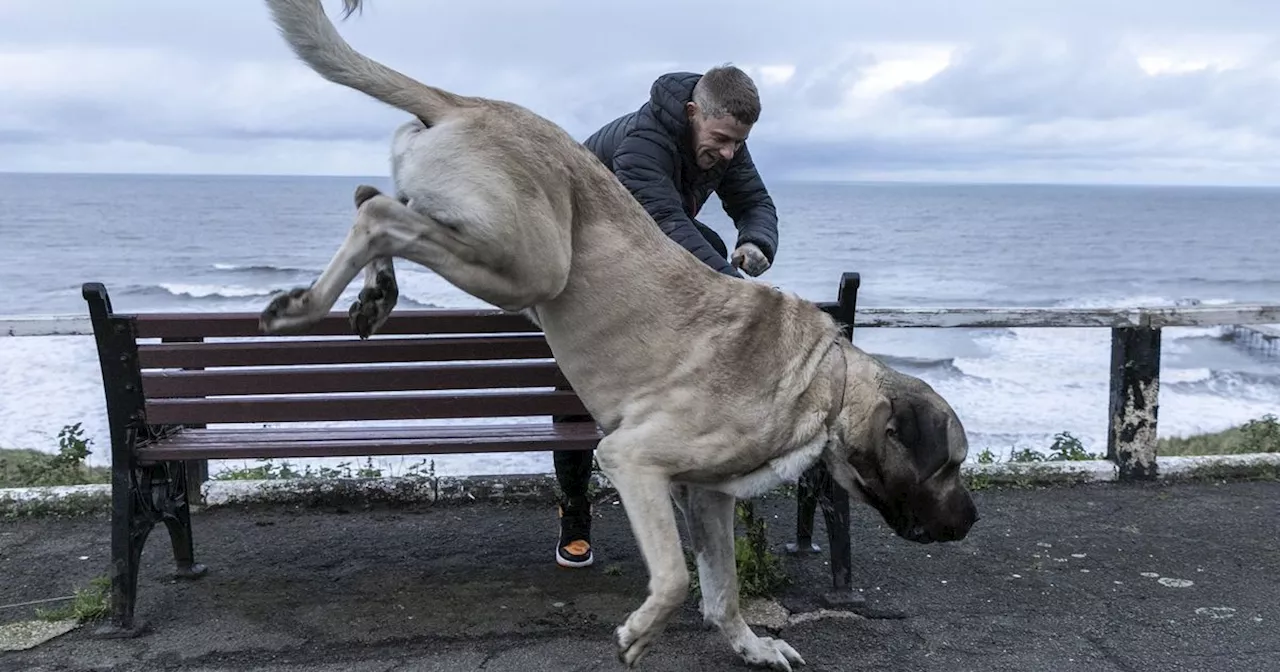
[(690, 109)]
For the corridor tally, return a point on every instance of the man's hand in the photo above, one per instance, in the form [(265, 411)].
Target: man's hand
[(750, 259)]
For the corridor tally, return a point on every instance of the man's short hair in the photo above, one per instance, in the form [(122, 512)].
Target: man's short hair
[(726, 89)]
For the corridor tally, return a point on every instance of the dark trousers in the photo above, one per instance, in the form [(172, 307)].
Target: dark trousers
[(573, 467)]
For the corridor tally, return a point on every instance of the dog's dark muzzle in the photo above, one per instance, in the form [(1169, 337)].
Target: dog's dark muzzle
[(924, 518), (952, 518)]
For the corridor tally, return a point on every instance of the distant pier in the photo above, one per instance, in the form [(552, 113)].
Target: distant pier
[(1264, 338)]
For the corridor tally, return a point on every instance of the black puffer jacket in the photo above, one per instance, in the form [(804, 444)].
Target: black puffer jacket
[(649, 151)]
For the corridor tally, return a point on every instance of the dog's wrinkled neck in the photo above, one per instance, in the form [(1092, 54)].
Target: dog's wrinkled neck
[(839, 380)]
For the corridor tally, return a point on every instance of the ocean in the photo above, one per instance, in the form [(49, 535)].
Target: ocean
[(198, 243)]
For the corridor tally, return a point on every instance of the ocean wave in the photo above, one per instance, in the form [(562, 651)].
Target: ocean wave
[(1247, 282), (264, 269), (1225, 383), (922, 364), (1185, 376), (199, 291)]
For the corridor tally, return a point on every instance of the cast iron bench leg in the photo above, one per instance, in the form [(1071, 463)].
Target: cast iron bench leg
[(177, 517), (816, 487), (835, 513), (806, 506), (142, 497), (129, 531)]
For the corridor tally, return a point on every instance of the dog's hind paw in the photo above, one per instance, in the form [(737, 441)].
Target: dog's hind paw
[(371, 309), (770, 653), (287, 313)]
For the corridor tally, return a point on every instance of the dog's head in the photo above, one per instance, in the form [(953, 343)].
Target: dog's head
[(901, 450)]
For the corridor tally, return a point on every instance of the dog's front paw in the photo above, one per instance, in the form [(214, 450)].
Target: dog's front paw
[(371, 309), (287, 313), (631, 646), (770, 653)]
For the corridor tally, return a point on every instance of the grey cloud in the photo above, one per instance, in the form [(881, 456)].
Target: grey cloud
[(21, 137), (1039, 81), (1053, 82), (419, 35), (823, 85)]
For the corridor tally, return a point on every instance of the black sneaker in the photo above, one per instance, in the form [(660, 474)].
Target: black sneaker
[(575, 537)]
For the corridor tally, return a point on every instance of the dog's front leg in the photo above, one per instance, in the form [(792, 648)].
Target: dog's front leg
[(299, 308), (646, 497), (710, 517), (374, 305)]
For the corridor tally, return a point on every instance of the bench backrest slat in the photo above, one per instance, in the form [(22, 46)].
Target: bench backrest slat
[(297, 380), (241, 324), (326, 408), (344, 351)]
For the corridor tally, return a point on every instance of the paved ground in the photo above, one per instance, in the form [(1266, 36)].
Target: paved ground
[(1096, 578)]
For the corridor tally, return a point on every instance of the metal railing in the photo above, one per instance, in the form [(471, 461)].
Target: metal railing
[(1135, 351)]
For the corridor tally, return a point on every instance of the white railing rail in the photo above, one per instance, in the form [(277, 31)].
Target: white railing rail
[(1135, 351), (45, 325)]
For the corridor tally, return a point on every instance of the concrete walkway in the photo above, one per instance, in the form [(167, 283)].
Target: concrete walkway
[(1092, 578)]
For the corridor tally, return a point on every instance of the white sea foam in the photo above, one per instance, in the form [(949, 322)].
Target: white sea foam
[(197, 291)]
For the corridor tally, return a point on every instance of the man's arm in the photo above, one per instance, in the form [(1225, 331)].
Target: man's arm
[(748, 204), (645, 165)]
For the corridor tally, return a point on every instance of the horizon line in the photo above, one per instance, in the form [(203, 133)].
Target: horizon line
[(791, 180)]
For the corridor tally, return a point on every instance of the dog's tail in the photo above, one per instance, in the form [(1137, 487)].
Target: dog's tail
[(315, 40)]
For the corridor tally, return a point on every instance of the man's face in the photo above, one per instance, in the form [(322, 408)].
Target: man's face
[(715, 139)]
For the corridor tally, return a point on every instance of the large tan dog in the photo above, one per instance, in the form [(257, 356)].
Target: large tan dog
[(709, 388)]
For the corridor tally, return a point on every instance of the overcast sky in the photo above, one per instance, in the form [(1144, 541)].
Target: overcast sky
[(1116, 91)]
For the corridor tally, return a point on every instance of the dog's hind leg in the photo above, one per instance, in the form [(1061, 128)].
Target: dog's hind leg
[(490, 271), (646, 497), (709, 516), (385, 227), (371, 309)]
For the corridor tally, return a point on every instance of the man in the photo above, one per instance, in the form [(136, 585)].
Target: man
[(687, 141)]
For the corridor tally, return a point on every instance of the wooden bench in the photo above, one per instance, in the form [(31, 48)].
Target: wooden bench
[(173, 381)]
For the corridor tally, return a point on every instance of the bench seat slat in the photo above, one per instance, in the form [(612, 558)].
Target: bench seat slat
[(382, 432), (159, 384), (315, 408), (198, 444), (346, 351), (237, 324)]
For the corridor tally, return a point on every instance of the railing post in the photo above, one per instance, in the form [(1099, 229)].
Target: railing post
[(1134, 407)]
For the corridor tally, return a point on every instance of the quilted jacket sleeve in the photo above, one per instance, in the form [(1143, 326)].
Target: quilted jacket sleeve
[(749, 205), (644, 162)]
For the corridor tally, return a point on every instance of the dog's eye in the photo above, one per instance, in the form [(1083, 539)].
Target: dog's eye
[(891, 432)]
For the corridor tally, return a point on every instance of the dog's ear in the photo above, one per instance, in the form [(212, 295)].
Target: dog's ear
[(926, 430), (867, 456)]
